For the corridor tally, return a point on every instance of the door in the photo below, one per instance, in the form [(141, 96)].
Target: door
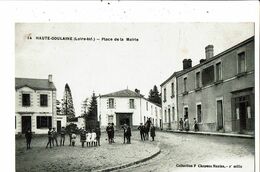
[(220, 121), (58, 126), (123, 118), (242, 116), (26, 123)]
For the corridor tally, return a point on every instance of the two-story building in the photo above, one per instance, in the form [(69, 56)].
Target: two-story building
[(169, 102), (128, 107), (35, 105), (219, 92)]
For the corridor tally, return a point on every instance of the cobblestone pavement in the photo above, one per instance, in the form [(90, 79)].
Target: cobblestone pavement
[(76, 158), (184, 149)]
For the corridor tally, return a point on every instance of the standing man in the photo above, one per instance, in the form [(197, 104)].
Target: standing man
[(141, 129), (181, 124), (109, 133), (62, 136), (128, 135), (152, 132), (49, 138), (98, 132), (54, 137), (28, 137), (83, 137), (70, 135), (196, 128), (125, 133), (113, 133)]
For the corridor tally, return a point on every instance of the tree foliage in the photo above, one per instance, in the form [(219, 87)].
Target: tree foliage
[(91, 115), (67, 103), (154, 95)]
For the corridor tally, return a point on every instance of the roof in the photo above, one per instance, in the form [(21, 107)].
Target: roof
[(36, 84), (123, 93), (217, 56), (128, 93), (174, 74)]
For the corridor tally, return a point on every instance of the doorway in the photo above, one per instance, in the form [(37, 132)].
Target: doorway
[(220, 121), (123, 118), (58, 126), (26, 123)]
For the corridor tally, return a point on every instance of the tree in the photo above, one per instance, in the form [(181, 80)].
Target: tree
[(67, 104), (154, 95), (58, 107), (91, 116), (84, 107)]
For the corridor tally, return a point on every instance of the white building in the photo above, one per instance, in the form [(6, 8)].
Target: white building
[(128, 107), (169, 102), (35, 105)]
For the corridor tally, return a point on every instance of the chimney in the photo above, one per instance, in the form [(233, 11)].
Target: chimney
[(202, 60), (187, 63), (50, 78), (137, 91), (209, 51)]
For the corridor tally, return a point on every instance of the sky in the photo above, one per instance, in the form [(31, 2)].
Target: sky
[(108, 66)]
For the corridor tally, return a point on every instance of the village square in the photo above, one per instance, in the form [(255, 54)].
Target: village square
[(197, 117)]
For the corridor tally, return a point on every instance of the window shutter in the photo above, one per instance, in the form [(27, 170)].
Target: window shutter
[(107, 103), (115, 103)]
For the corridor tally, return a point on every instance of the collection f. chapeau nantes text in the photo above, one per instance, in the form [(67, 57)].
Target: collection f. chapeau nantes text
[(68, 38), (208, 166)]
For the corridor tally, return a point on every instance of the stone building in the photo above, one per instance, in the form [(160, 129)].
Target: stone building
[(169, 102), (128, 107), (219, 92), (35, 105)]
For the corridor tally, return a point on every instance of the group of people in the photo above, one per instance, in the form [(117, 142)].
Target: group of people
[(111, 133), (184, 125), (53, 137), (145, 129), (91, 138)]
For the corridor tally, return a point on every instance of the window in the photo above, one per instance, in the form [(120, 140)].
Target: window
[(44, 122), (26, 100), (164, 94), (111, 103), (198, 80), (151, 109), (173, 114), (132, 103), (144, 119), (218, 71), (186, 112), (156, 113), (208, 75), (147, 106), (43, 100), (185, 84), (199, 113), (241, 62), (165, 116), (172, 86), (110, 118)]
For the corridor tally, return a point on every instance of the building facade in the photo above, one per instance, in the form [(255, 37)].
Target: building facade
[(169, 102), (219, 92), (128, 107), (35, 105)]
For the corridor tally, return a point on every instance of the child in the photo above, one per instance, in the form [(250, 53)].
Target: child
[(73, 139), (93, 138), (88, 138)]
